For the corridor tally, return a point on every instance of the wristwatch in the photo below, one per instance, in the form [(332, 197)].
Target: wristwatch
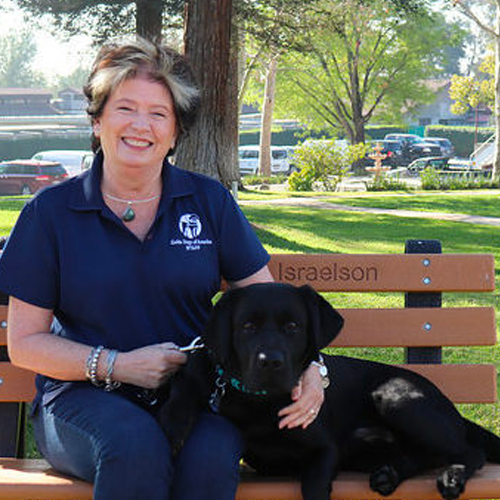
[(323, 371)]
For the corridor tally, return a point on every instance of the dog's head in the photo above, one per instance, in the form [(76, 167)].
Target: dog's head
[(265, 335)]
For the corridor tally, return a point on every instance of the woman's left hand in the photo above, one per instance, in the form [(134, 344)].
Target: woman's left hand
[(308, 396)]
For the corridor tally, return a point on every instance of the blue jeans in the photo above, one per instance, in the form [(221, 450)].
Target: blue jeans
[(106, 439)]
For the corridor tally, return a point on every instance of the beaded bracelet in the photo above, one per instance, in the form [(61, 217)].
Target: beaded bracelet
[(110, 384), (92, 362)]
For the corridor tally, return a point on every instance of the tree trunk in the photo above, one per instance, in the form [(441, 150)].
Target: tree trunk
[(267, 119), (496, 159), (211, 146), (149, 19)]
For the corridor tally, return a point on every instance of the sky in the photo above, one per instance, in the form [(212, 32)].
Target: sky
[(55, 56)]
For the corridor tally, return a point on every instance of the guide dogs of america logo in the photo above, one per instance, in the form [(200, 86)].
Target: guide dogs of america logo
[(190, 227)]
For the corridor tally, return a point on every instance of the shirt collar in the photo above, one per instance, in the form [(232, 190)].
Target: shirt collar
[(87, 193)]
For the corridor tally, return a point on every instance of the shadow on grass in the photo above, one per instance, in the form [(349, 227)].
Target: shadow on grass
[(284, 245), (306, 229)]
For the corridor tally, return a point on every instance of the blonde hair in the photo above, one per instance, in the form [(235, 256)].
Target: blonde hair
[(119, 61)]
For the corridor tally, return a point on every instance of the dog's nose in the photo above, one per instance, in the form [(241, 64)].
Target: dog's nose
[(271, 360)]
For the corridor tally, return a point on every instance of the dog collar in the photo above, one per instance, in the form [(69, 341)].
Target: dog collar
[(237, 384), (220, 389)]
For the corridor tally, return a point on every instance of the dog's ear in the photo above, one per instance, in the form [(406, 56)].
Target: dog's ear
[(326, 322), (218, 331)]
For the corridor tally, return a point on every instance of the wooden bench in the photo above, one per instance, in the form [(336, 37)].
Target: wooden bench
[(422, 327)]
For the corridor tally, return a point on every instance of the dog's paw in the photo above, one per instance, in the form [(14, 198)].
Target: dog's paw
[(384, 480), (451, 482)]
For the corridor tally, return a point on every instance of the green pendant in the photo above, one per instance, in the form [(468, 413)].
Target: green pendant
[(128, 215)]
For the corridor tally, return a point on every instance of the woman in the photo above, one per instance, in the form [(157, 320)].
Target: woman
[(125, 259)]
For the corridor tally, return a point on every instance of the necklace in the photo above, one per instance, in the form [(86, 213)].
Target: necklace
[(129, 213)]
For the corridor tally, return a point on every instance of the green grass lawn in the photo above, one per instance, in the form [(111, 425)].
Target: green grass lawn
[(309, 230), (472, 204)]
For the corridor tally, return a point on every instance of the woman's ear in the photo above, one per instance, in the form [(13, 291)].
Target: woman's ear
[(96, 127)]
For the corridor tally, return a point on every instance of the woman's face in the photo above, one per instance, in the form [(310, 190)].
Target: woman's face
[(137, 127)]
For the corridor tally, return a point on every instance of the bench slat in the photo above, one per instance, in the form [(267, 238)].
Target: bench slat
[(34, 478), (354, 486), (22, 479), (461, 383), (403, 327), (388, 273), (417, 327)]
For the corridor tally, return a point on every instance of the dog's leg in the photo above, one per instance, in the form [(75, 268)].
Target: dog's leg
[(451, 482), (388, 476), (188, 397), (318, 472), (430, 424)]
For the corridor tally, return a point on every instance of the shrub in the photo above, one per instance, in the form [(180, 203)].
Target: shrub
[(434, 180), (325, 162), (252, 180), (385, 183)]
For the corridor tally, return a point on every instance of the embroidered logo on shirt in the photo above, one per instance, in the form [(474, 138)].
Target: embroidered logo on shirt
[(190, 227)]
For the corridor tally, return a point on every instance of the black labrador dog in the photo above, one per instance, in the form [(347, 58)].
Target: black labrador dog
[(382, 419)]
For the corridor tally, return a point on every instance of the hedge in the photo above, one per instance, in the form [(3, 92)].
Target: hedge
[(19, 147), (463, 138)]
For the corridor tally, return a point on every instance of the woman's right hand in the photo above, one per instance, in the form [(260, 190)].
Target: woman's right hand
[(149, 366)]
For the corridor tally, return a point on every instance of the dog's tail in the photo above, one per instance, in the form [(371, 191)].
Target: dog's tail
[(484, 439)]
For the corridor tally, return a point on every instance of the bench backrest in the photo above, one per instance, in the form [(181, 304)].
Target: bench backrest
[(422, 326)]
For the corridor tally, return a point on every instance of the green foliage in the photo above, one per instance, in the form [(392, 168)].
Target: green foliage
[(434, 180), (362, 62), (469, 91), (287, 137), (99, 19), (385, 183), (253, 180), (17, 51), (323, 162)]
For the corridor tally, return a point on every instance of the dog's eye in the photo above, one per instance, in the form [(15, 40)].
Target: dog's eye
[(249, 327), (291, 327)]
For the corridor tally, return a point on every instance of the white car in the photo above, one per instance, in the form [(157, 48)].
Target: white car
[(280, 159), (74, 161)]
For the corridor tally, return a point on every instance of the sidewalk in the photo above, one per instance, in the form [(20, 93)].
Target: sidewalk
[(324, 205)]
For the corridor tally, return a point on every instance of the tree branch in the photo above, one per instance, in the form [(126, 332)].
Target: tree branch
[(468, 12)]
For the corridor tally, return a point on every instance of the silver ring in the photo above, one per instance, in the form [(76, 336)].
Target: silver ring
[(313, 411)]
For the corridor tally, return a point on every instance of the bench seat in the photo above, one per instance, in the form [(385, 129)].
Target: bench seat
[(30, 479)]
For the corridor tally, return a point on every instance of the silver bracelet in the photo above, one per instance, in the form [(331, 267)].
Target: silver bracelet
[(110, 384), (92, 362), (323, 371)]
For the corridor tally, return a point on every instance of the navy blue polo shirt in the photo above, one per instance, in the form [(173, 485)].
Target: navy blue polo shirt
[(70, 253)]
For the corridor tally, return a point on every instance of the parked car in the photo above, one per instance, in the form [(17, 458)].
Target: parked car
[(393, 151), (280, 159), (442, 163), (414, 146), (28, 176), (445, 144), (74, 161), (436, 162)]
